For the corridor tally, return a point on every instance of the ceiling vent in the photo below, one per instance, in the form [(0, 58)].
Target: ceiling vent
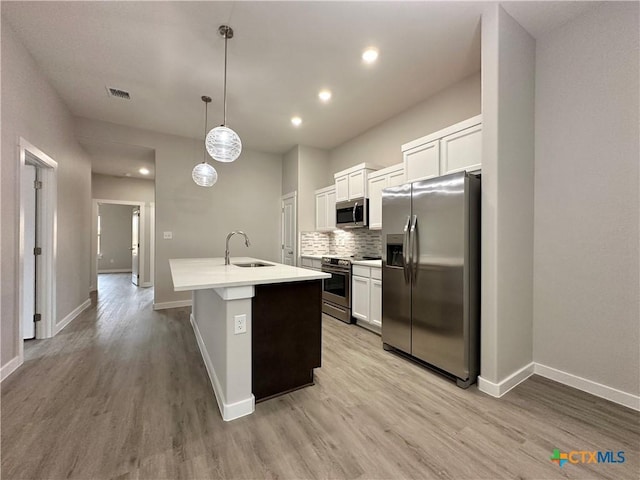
[(117, 93)]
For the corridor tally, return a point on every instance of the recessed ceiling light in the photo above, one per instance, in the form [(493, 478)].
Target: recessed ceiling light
[(370, 55), (144, 171), (296, 121), (324, 95)]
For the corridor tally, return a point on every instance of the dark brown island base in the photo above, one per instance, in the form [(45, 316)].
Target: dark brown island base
[(287, 337), (257, 324)]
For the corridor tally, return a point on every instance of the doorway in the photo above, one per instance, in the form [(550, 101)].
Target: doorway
[(123, 240), (37, 225), (289, 235)]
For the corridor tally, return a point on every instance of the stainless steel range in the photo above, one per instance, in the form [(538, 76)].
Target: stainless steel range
[(336, 293)]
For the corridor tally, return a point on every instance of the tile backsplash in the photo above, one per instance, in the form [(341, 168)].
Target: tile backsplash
[(343, 242)]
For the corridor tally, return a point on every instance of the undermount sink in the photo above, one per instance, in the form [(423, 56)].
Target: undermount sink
[(253, 264)]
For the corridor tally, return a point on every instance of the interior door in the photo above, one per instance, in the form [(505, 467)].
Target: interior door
[(135, 246), (29, 271), (289, 230)]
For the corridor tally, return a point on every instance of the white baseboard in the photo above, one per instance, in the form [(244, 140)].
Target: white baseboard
[(499, 389), (589, 386), (10, 367), (229, 411), (146, 284), (115, 270), (175, 304), (67, 320), (93, 288)]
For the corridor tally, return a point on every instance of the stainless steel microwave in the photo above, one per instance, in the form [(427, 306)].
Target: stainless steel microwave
[(352, 214)]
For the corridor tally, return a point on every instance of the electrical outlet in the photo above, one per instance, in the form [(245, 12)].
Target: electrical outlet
[(168, 235), (239, 324)]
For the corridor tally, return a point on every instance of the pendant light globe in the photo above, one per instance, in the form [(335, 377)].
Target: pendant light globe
[(204, 175), (223, 144)]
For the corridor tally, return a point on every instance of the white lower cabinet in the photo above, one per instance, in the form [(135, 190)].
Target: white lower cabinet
[(375, 300), (366, 296), (360, 297), (309, 262)]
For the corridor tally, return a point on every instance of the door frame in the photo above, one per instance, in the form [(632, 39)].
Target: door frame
[(293, 195), (145, 210), (47, 224)]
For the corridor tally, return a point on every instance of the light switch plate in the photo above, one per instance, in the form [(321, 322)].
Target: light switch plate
[(168, 235)]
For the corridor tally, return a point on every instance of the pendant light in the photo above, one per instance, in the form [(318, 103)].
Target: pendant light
[(203, 173), (223, 144)]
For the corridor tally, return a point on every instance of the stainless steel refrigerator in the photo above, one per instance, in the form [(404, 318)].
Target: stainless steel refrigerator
[(431, 273)]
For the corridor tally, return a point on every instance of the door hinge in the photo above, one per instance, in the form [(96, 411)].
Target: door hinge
[(283, 246), (37, 184), (37, 251), (37, 317)]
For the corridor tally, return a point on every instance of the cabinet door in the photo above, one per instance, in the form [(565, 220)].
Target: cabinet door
[(342, 188), (357, 185), (375, 313), (375, 201), (422, 162), (396, 178), (321, 211), (461, 151), (331, 209), (360, 298)]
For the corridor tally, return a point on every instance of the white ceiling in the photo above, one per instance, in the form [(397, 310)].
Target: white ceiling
[(119, 159), (169, 54)]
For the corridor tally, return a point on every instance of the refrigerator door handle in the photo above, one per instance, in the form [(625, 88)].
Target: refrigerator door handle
[(413, 241), (405, 252)]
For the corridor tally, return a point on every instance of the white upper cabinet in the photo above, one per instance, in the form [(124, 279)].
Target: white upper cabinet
[(453, 149), (462, 150), (342, 188), (423, 161), (352, 183), (326, 209), (387, 177)]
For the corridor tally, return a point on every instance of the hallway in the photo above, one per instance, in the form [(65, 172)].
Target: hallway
[(122, 393)]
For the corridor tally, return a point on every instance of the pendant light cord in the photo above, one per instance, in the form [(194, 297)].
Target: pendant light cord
[(226, 36), (204, 150)]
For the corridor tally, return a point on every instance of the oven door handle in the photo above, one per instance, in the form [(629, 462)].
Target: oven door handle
[(334, 270)]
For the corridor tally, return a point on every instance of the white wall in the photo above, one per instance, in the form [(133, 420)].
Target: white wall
[(108, 187), (31, 109), (115, 237), (313, 173), (381, 144), (290, 171), (586, 288), (246, 197), (508, 72)]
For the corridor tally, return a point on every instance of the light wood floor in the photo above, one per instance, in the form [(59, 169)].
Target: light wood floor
[(122, 393)]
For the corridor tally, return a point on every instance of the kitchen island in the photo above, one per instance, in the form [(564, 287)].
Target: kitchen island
[(258, 326)]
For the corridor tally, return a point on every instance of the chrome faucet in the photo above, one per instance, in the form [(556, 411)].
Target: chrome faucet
[(226, 251)]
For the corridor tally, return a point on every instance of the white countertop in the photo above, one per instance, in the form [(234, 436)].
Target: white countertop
[(368, 263), (203, 273), (315, 257)]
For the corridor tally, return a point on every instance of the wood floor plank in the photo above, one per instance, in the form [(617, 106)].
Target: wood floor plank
[(122, 393)]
